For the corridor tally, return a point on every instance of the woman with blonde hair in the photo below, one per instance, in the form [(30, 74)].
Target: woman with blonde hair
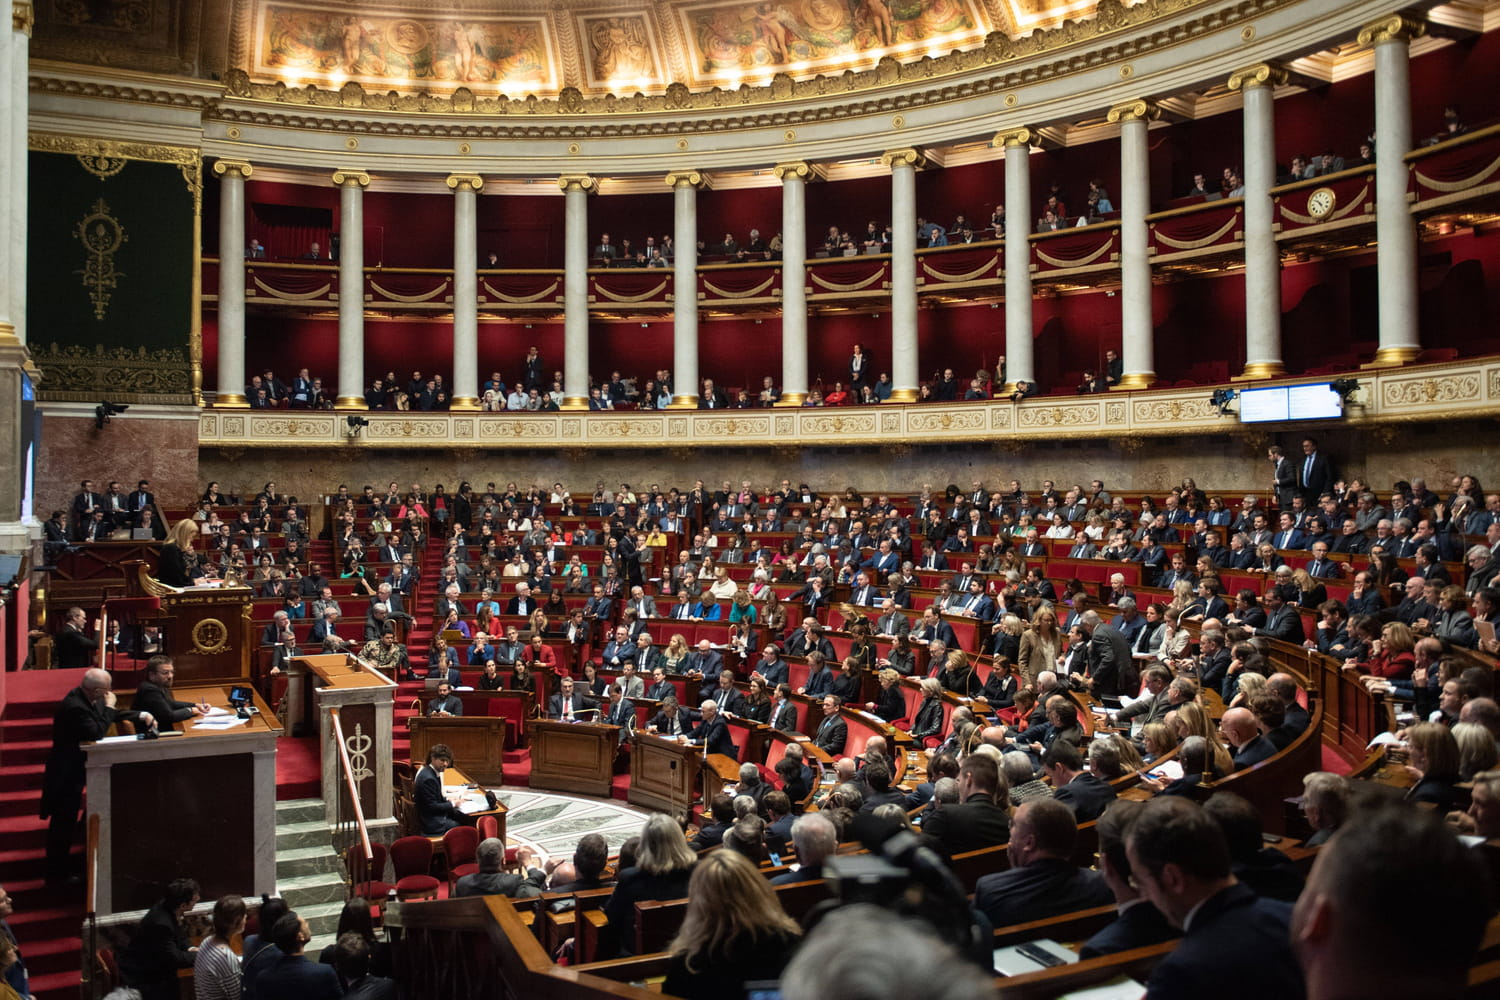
[(1250, 685), (1476, 749), (1434, 760), (1040, 645), (1310, 593), (741, 608), (1157, 740), (891, 705), (734, 931), (1182, 599), (1194, 720), (676, 653), (178, 566), (663, 865), (958, 675)]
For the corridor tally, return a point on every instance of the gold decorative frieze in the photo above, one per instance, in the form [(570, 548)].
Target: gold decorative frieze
[(469, 182), (80, 374), (688, 178), (348, 178), (1016, 137), (1139, 109), (1260, 75), (222, 167), (893, 158), (577, 182), (1395, 28)]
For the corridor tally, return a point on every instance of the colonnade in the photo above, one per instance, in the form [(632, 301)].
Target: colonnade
[(15, 46), (1396, 234)]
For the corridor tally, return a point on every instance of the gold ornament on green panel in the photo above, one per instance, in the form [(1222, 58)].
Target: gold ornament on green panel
[(101, 235)]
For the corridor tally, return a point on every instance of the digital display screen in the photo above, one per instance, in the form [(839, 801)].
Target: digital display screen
[(1317, 401)]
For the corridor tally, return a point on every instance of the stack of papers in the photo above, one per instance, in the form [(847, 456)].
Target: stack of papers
[(218, 722)]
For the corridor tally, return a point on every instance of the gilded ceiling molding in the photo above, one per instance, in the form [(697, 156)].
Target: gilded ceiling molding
[(1139, 109), (468, 181), (1395, 28), (1264, 74), (688, 178), (345, 177), (51, 142), (240, 167)]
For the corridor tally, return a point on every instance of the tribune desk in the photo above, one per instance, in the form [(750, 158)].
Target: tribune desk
[(318, 686), (201, 804), (574, 757), (663, 772)]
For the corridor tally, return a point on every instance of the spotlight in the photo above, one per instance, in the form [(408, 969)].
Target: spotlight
[(1345, 387), (1222, 398), (105, 410), (356, 422)]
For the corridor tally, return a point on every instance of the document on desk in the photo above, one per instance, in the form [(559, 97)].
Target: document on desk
[(472, 804), (1118, 988), (1167, 770), (219, 722), (1382, 739), (215, 711)]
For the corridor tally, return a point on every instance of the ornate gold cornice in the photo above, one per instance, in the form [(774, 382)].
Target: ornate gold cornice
[(577, 182), (997, 67), (240, 167), (908, 157), (344, 177), (1264, 74), (1395, 28), (1139, 109), (688, 178), (1015, 137), (22, 17), (797, 168), (472, 182), (151, 152)]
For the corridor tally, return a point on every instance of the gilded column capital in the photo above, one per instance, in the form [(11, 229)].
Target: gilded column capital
[(222, 167), (580, 182), (471, 182), (22, 16), (687, 178), (796, 168), (1264, 74), (1015, 137), (347, 178), (903, 158), (1394, 28), (1138, 109)]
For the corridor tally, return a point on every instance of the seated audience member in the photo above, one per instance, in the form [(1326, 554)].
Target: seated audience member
[(590, 858), (355, 919), (982, 818), (159, 946), (1325, 804), (1241, 731), (1139, 923), (1341, 929), (1433, 759), (717, 823), (1042, 880), (446, 703), (1025, 785), (492, 880), (568, 705), (1081, 791), (352, 960), (1235, 945), (734, 931), (435, 814), (713, 732), (663, 865), (216, 967), (293, 974), (1266, 870), (816, 840)]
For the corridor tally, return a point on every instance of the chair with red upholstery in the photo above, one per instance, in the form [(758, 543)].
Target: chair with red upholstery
[(411, 860), (460, 844), (366, 876)]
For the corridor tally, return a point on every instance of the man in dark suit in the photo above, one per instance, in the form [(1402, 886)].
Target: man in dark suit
[(1282, 620), (621, 712), (523, 603), (446, 704), (1283, 477), (1139, 923), (725, 697), (1112, 670), (1237, 942), (619, 650), (713, 733), (784, 710), (660, 688), (807, 639), (84, 505), (154, 695), (816, 840), (141, 499), (933, 628), (1042, 880), (717, 823), (159, 947), (292, 974), (1079, 790), (1314, 474), (673, 719), (435, 814), (1250, 747), (833, 732), (976, 820), (75, 647), (1297, 719), (891, 621), (84, 716), (568, 705), (704, 666)]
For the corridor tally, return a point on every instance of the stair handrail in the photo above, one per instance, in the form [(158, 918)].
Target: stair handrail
[(90, 904), (343, 825)]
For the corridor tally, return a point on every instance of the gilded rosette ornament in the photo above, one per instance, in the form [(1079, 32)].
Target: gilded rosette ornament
[(101, 235)]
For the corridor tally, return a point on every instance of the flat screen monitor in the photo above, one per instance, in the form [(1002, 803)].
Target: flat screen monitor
[(1317, 401)]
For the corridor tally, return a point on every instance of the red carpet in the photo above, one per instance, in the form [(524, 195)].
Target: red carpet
[(299, 769), (1333, 762)]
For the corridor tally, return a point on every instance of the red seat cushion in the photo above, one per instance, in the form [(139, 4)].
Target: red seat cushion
[(417, 883)]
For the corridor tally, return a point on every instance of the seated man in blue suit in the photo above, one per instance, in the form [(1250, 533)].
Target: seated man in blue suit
[(435, 813), (713, 732)]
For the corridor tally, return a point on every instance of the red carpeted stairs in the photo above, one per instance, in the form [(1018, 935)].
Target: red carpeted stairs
[(46, 920)]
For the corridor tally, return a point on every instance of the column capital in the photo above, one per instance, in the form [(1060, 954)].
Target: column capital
[(345, 177), (687, 178), (579, 182), (1266, 74), (797, 168), (1023, 136), (1139, 109), (22, 16), (1393, 28), (908, 157), (472, 182), (222, 167)]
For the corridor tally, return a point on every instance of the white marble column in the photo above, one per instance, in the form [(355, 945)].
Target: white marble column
[(465, 290), (232, 377), (685, 185), (1395, 232), (22, 18), (351, 387), (794, 178), (11, 101), (903, 164), (576, 188), (1137, 350), (1257, 86), (1019, 356)]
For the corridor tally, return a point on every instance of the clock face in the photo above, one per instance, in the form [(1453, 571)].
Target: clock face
[(1320, 203)]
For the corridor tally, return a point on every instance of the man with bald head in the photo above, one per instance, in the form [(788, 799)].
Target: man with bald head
[(1250, 747), (85, 715)]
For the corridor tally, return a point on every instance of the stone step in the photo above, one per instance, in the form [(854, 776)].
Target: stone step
[(313, 833), (323, 920), (306, 861), (308, 890), (299, 811)]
